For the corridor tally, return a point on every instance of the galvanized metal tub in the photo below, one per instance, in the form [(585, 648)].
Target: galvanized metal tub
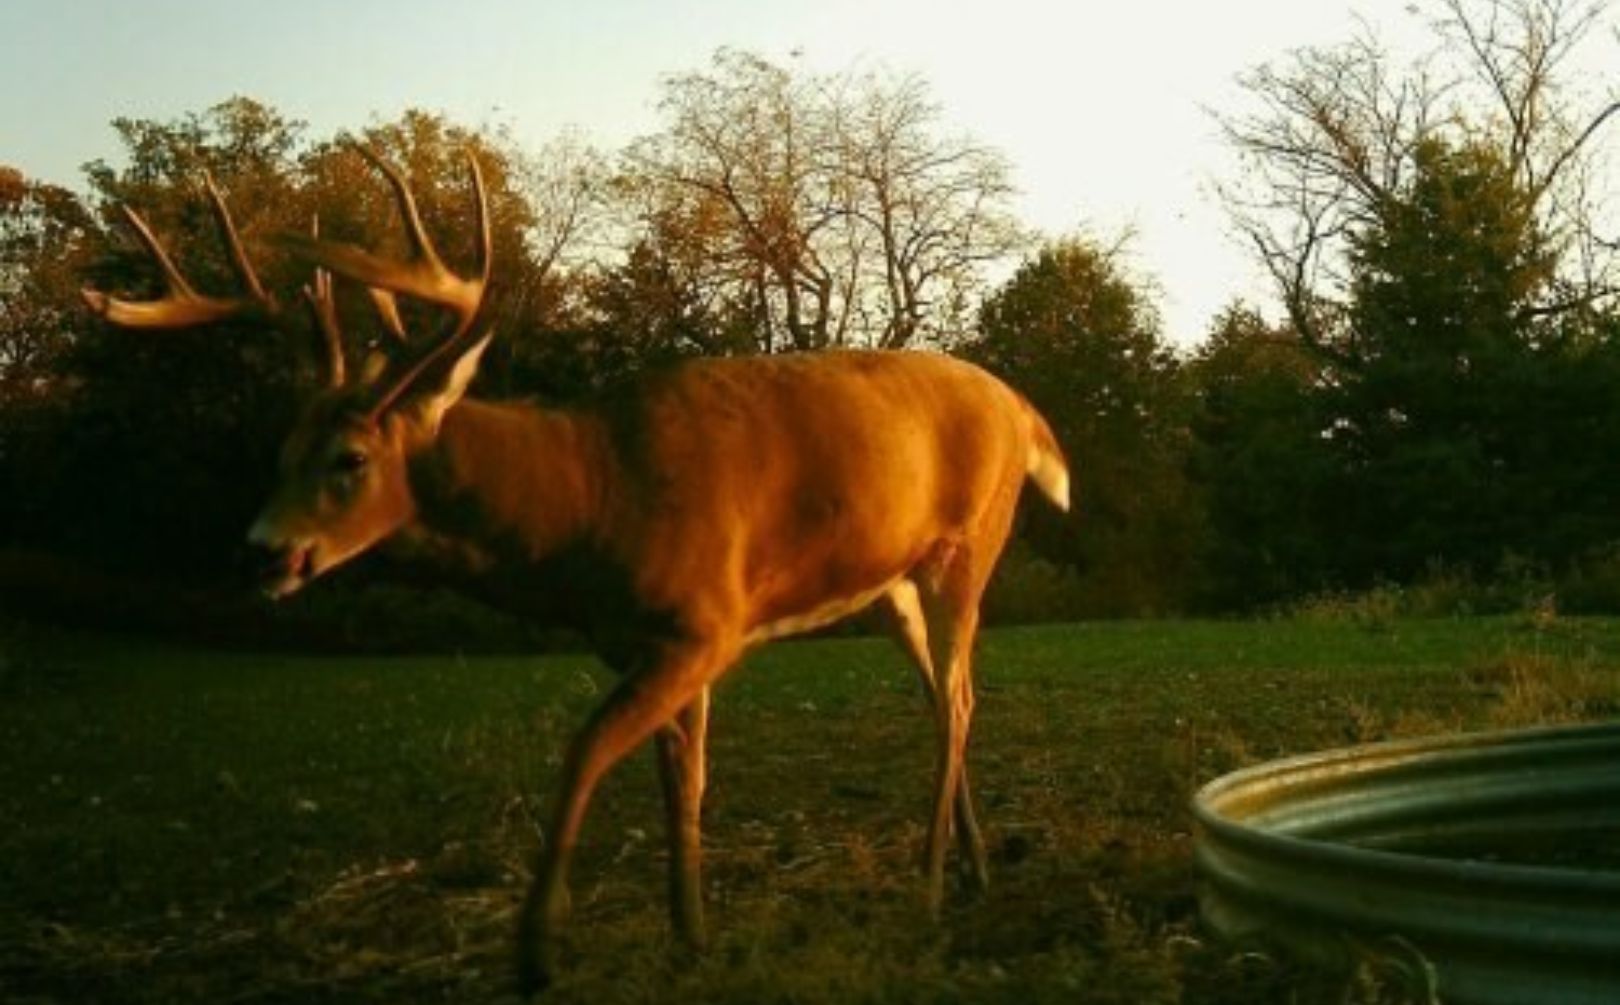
[(1491, 861)]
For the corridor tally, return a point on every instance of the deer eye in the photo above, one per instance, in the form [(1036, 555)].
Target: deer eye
[(349, 462)]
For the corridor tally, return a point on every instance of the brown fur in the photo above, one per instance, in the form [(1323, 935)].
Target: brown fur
[(688, 516), (724, 503), (692, 514)]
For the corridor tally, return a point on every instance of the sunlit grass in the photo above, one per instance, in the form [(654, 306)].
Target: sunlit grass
[(188, 825)]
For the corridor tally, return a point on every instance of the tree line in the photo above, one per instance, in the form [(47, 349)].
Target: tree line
[(1433, 386)]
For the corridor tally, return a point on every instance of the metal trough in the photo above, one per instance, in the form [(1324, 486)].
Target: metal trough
[(1490, 860)]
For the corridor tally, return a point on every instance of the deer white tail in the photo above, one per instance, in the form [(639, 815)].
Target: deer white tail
[(1046, 467)]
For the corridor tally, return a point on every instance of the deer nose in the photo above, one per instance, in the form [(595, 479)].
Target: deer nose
[(263, 560), (281, 567), (262, 534)]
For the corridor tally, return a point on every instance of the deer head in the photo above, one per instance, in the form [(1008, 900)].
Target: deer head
[(342, 482)]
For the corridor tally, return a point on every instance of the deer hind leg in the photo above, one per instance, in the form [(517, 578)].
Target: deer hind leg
[(682, 769), (638, 707), (949, 585), (910, 630)]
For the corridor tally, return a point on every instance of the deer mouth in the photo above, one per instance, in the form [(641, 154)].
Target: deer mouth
[(288, 570)]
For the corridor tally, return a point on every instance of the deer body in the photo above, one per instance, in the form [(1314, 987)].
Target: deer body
[(723, 504), (676, 521), (764, 495)]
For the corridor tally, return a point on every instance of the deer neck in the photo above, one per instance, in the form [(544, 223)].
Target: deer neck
[(507, 482)]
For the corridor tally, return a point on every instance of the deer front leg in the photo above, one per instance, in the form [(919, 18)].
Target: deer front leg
[(631, 713), (682, 769)]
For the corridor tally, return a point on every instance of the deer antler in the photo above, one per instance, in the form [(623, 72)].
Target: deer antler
[(388, 310), (323, 312), (422, 275), (181, 306)]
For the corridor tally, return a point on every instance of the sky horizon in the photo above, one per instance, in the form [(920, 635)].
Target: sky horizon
[(1103, 111)]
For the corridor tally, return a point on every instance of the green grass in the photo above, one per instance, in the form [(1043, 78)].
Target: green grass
[(185, 825)]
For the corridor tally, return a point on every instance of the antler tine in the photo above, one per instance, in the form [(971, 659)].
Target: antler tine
[(323, 309), (173, 281), (421, 245), (388, 309), (181, 306), (239, 258), (486, 239)]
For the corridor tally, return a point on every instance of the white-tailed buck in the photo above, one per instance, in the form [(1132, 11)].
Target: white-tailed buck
[(677, 521)]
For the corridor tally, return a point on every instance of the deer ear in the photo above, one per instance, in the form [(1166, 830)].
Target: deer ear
[(440, 388)]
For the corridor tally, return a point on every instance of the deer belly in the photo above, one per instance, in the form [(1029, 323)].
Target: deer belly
[(818, 616)]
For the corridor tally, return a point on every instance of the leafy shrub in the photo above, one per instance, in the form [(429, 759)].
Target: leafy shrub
[(1592, 585), (1373, 609), (1028, 589), (1517, 587)]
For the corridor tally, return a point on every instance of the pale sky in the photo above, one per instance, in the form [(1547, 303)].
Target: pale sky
[(1100, 107)]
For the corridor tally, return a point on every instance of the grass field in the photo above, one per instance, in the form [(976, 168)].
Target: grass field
[(185, 825)]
